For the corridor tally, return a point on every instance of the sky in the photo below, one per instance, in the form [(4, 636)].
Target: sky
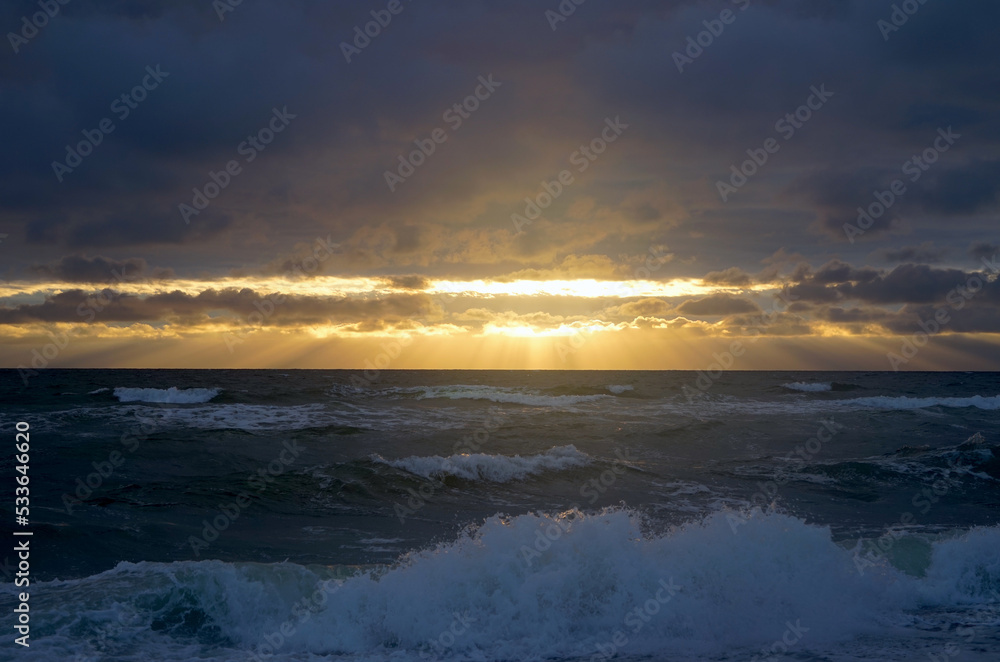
[(698, 185)]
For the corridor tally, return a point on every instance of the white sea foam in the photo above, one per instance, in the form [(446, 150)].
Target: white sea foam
[(172, 395), (499, 394), (258, 418), (251, 418), (964, 570), (266, 418), (959, 462), (535, 587), (491, 468), (809, 387), (100, 390), (618, 389)]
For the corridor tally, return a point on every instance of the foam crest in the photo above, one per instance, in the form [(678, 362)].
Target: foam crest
[(809, 387), (543, 586), (503, 395), (250, 418), (533, 587), (491, 468), (965, 570), (172, 395)]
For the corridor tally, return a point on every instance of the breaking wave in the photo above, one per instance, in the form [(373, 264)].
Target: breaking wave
[(491, 468), (529, 587), (172, 395)]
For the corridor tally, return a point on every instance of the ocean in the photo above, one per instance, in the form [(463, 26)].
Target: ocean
[(307, 515)]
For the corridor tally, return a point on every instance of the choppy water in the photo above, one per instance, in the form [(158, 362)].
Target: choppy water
[(509, 515)]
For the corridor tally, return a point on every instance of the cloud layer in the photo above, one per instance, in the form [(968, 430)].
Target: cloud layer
[(407, 156)]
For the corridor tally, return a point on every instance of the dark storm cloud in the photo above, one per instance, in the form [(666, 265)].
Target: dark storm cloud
[(648, 307), (861, 315), (974, 316), (325, 172), (830, 283), (83, 269), (836, 196), (836, 271), (781, 324), (109, 306), (717, 304), (963, 315), (946, 191), (962, 190), (925, 253), (907, 283), (732, 277), (813, 292), (412, 282), (979, 250)]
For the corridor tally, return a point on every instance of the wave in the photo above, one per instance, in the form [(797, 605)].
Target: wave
[(975, 457), (729, 405), (172, 395), (500, 394), (973, 460), (491, 468), (339, 418), (97, 391), (255, 418), (577, 389), (903, 402), (809, 387), (820, 387), (530, 587)]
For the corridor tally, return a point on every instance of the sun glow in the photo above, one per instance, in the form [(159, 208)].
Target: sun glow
[(587, 288), (334, 286), (520, 330)]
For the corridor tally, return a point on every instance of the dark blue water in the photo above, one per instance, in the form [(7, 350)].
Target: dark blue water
[(220, 515)]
